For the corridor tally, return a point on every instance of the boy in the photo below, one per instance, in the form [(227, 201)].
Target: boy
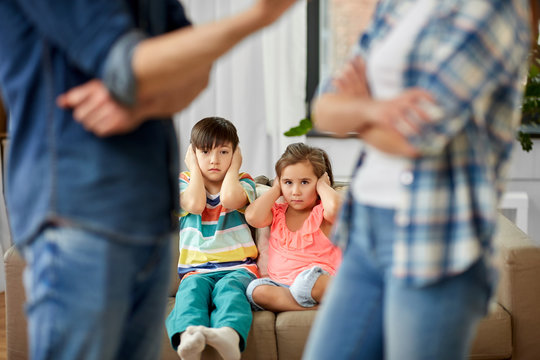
[(217, 252)]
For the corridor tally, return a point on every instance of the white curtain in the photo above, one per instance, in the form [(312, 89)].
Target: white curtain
[(259, 85)]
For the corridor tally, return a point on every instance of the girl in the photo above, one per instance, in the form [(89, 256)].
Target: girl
[(301, 258)]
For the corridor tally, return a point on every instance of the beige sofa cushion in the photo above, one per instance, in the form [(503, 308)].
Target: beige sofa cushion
[(495, 336), (292, 330), (519, 287), (17, 341)]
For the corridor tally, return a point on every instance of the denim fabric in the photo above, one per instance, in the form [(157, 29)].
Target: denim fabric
[(58, 172), (300, 289), (92, 298), (119, 77), (215, 299), (370, 314), (303, 285), (258, 282)]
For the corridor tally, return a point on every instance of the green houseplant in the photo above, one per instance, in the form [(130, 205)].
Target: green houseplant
[(302, 128), (530, 111)]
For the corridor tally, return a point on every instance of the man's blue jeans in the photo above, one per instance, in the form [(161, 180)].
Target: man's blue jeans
[(368, 314), (89, 297)]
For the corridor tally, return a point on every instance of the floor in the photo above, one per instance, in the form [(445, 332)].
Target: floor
[(3, 355)]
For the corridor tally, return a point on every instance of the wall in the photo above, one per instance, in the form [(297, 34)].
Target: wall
[(524, 176), (342, 22), (343, 154)]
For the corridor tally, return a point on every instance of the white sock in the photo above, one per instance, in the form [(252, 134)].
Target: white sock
[(225, 340), (192, 343)]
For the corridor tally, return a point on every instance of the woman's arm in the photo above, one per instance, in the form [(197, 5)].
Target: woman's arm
[(381, 123), (259, 212), (374, 121)]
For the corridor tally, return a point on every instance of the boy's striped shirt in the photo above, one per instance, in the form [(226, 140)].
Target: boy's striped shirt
[(219, 238)]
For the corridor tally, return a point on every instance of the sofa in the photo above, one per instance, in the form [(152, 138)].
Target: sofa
[(511, 330)]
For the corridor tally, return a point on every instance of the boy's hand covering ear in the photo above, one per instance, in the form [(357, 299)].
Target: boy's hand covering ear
[(191, 159), (236, 160)]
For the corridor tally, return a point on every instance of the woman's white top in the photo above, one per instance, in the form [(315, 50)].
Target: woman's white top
[(378, 182)]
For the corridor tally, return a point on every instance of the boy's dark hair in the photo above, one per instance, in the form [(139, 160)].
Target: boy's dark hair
[(213, 131), (298, 152)]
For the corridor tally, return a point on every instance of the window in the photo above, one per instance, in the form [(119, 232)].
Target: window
[(333, 28)]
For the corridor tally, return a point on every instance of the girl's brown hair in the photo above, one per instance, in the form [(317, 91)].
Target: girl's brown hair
[(213, 131), (299, 152)]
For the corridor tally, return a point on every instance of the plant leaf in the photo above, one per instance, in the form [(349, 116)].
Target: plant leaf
[(525, 141), (301, 129)]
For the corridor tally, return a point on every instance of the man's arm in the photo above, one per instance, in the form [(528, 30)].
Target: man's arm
[(162, 62), (100, 113)]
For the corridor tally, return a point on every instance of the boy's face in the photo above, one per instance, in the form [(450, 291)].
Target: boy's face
[(214, 163)]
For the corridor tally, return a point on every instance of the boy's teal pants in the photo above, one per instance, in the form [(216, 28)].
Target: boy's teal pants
[(215, 299)]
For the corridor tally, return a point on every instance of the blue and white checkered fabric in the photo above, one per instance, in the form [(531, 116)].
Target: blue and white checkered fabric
[(472, 58)]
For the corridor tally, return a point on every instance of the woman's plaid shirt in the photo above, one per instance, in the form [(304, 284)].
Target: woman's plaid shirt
[(472, 57)]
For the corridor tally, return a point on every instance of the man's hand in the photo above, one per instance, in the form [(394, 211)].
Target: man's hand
[(97, 111)]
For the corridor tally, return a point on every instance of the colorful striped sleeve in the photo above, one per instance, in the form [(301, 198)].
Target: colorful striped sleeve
[(248, 184), (183, 182)]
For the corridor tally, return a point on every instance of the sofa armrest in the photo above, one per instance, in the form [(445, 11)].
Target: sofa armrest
[(17, 345), (519, 288), (175, 253)]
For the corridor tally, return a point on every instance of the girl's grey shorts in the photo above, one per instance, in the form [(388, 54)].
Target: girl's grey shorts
[(300, 289)]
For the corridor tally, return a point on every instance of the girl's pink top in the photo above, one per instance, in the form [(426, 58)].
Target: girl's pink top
[(289, 253)]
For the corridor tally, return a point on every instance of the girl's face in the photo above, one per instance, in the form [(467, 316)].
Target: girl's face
[(214, 163), (299, 185)]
